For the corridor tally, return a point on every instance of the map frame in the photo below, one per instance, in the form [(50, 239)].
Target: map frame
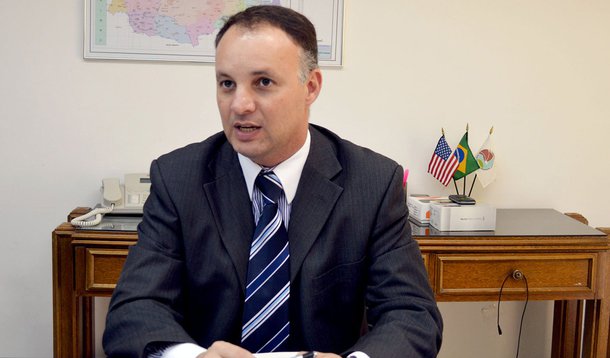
[(326, 15)]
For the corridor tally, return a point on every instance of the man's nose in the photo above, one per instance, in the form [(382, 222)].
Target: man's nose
[(243, 102)]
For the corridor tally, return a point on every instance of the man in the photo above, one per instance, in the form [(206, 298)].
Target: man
[(187, 286)]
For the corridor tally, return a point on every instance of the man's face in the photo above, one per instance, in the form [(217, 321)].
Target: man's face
[(263, 104)]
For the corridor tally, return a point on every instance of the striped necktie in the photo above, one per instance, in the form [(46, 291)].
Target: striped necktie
[(265, 322)]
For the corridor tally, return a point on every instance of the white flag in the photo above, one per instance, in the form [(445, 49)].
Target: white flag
[(486, 159)]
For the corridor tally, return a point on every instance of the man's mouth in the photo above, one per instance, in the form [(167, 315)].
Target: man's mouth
[(246, 128)]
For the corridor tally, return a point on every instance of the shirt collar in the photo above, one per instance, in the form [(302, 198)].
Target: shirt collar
[(289, 171)]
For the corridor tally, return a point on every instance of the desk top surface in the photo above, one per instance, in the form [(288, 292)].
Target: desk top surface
[(521, 222), (116, 223), (509, 222)]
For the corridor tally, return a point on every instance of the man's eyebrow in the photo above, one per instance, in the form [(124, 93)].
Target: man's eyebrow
[(261, 73), (256, 73)]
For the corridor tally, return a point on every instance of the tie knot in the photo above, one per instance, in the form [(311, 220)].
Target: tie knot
[(269, 184)]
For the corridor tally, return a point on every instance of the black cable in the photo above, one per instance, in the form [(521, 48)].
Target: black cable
[(499, 300), (527, 297), (517, 275)]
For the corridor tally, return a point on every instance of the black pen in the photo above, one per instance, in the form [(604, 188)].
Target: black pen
[(310, 354)]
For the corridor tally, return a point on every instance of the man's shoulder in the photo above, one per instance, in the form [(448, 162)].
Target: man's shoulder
[(348, 152)]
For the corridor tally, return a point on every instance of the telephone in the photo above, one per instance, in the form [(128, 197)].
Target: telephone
[(119, 199)]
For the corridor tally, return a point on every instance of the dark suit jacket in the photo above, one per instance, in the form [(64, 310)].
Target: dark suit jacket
[(350, 247)]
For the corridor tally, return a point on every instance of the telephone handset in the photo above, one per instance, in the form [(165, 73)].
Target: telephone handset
[(111, 192), (127, 199), (119, 199)]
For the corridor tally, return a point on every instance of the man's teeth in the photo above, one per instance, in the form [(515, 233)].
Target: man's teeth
[(247, 129)]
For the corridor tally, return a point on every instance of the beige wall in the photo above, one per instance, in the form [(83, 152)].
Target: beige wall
[(535, 70)]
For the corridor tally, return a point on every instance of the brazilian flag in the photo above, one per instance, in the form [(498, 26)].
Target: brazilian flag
[(467, 162)]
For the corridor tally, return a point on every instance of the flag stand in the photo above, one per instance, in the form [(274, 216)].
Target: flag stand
[(464, 191), (463, 199)]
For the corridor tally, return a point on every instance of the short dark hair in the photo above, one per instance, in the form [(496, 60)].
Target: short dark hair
[(294, 24)]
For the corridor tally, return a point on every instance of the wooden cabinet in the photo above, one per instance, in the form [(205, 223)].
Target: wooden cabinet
[(86, 264), (561, 259)]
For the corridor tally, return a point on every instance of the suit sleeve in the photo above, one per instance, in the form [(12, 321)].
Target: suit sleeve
[(402, 314), (146, 306)]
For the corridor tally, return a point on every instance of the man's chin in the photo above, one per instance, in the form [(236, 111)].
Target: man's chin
[(253, 155)]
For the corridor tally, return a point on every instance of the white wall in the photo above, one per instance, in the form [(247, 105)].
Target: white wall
[(535, 70)]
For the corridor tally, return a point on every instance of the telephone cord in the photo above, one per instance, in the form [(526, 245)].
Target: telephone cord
[(98, 212)]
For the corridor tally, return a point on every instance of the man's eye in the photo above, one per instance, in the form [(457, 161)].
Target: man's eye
[(265, 82), (226, 84)]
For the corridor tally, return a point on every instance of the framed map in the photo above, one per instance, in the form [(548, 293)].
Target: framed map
[(184, 30)]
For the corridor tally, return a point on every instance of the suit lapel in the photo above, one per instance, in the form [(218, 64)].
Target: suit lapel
[(230, 203), (315, 198)]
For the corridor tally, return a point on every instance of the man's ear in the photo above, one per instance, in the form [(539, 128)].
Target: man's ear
[(314, 85)]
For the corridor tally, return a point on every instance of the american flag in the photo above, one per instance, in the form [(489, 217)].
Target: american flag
[(443, 164)]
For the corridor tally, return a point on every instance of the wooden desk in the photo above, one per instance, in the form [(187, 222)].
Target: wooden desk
[(562, 259)]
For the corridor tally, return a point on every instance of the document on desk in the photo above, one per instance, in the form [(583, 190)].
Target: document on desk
[(276, 355)]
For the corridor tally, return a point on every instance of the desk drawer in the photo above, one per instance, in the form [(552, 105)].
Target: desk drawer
[(102, 269), (482, 275)]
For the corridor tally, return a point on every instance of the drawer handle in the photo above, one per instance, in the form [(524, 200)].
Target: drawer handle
[(518, 275)]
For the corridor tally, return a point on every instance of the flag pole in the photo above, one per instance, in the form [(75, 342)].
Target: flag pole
[(491, 130), (464, 190), (456, 188), (472, 186), (464, 179)]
